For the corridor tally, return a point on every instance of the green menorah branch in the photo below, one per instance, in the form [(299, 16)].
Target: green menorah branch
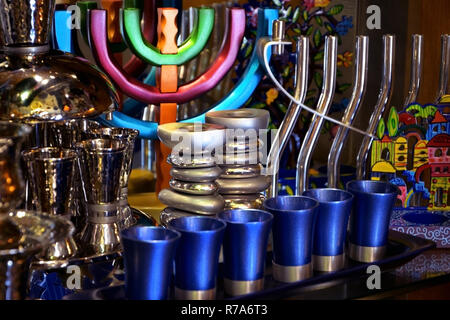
[(132, 34)]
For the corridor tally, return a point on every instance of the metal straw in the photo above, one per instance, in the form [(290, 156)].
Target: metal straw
[(359, 89), (292, 114), (416, 69), (445, 66), (383, 99), (324, 104)]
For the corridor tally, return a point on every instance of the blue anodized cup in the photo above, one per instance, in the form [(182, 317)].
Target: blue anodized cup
[(369, 222), (330, 230), (244, 249), (148, 257), (293, 226), (197, 256)]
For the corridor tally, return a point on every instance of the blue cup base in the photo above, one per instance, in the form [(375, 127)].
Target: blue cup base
[(328, 263), (238, 288), (181, 294), (291, 273), (366, 254)]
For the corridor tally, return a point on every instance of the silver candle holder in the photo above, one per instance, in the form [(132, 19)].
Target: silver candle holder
[(193, 190), (241, 183)]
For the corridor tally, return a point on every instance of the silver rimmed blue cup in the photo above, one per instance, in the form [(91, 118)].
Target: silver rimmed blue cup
[(244, 249), (369, 222), (330, 231), (197, 257), (148, 257), (293, 225)]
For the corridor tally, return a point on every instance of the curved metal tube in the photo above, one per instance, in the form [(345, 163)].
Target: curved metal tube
[(290, 119), (263, 55), (237, 96), (147, 129), (359, 89), (131, 30), (383, 99), (416, 69), (445, 67), (150, 94), (252, 75), (135, 66), (324, 104)]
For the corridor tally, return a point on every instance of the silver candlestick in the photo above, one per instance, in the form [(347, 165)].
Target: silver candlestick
[(359, 88), (193, 189), (241, 182)]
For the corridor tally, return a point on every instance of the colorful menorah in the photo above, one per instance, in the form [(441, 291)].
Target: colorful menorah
[(134, 20)]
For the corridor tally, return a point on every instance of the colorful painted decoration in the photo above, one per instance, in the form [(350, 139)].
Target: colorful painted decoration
[(413, 152)]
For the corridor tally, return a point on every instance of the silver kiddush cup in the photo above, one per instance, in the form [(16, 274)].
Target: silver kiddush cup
[(101, 165), (51, 173), (128, 136)]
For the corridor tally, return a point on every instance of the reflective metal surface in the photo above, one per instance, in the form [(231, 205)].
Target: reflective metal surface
[(203, 205), (383, 100), (51, 173), (244, 185), (193, 138), (101, 164), (330, 229), (196, 175), (27, 233), (63, 248), (294, 218), (171, 213), (366, 254), (36, 83), (195, 188), (372, 209), (195, 294), (290, 119), (279, 33), (328, 263), (245, 245), (323, 106), (359, 89), (240, 172), (205, 161), (240, 160), (53, 86), (243, 201), (416, 69), (12, 135), (26, 22), (197, 257), (445, 68), (292, 273), (263, 47), (240, 118), (128, 137), (238, 288), (148, 254)]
